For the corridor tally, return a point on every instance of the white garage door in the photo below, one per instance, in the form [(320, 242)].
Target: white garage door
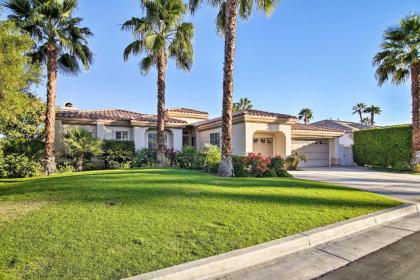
[(316, 151)]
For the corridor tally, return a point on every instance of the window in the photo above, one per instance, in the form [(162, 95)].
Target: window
[(185, 141), (121, 135), (215, 139), (152, 139), (193, 141)]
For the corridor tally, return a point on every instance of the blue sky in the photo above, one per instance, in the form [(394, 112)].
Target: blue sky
[(313, 54)]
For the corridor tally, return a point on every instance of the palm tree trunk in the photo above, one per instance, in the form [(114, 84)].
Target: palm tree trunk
[(226, 167), (415, 92), (49, 153), (372, 119), (361, 116), (161, 65)]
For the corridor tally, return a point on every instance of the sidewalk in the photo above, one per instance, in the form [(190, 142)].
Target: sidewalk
[(316, 261)]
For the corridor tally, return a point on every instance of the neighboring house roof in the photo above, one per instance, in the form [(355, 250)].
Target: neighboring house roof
[(111, 114), (187, 111), (250, 112), (312, 127), (342, 125)]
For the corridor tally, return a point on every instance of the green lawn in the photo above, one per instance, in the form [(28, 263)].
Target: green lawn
[(114, 224)]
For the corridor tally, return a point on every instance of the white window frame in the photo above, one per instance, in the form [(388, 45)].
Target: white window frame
[(124, 135)]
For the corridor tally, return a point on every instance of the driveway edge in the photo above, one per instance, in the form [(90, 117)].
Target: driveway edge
[(243, 258)]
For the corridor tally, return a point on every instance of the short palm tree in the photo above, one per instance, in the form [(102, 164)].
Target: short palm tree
[(373, 110), (242, 105), (61, 44), (306, 115), (400, 60), (227, 24), (80, 144), (160, 35), (359, 108)]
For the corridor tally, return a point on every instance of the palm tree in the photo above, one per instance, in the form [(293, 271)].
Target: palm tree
[(359, 108), (60, 44), (306, 115), (160, 35), (242, 105), (373, 110), (80, 144), (226, 24), (400, 59)]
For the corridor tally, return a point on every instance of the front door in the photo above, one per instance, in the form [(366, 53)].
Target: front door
[(263, 146)]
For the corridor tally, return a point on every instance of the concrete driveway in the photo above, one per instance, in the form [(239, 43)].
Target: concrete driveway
[(399, 185)]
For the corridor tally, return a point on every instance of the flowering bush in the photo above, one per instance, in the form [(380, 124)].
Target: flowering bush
[(257, 165)]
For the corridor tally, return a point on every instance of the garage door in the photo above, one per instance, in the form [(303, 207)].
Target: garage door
[(316, 151)]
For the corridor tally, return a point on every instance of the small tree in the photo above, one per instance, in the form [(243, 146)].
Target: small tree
[(373, 110), (359, 109), (306, 115), (80, 144), (242, 105)]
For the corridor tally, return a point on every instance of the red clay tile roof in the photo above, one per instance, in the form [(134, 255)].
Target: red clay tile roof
[(187, 111), (310, 127), (111, 114), (251, 112)]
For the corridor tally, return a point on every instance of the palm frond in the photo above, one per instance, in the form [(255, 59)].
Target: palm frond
[(146, 63)]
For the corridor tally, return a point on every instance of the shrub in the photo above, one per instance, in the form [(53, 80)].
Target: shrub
[(239, 168), (118, 154), (294, 159), (145, 158), (190, 158), (19, 166), (388, 147), (32, 148), (65, 167), (211, 158), (257, 165), (80, 145), (277, 167)]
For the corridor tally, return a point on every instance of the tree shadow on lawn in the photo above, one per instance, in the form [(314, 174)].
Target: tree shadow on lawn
[(129, 194)]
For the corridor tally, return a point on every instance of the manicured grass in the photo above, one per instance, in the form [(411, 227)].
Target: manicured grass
[(114, 224)]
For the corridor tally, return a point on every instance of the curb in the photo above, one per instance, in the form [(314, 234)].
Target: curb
[(239, 259)]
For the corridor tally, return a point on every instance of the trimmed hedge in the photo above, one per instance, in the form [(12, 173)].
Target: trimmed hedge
[(388, 147)]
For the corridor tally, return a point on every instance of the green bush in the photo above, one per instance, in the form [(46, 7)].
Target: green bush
[(32, 148), (118, 154), (19, 166), (388, 147), (145, 158), (81, 146), (239, 168), (211, 158), (277, 167), (291, 162), (189, 158)]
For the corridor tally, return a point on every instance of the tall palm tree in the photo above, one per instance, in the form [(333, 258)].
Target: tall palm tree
[(243, 104), (60, 44), (160, 34), (373, 110), (359, 108), (306, 115), (226, 24), (398, 60)]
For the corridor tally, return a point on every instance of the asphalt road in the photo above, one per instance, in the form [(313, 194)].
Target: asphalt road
[(398, 261)]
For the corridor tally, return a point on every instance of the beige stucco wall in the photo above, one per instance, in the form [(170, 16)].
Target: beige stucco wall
[(238, 138), (281, 133)]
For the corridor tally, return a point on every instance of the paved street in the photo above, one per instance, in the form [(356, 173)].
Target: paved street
[(398, 261), (399, 185)]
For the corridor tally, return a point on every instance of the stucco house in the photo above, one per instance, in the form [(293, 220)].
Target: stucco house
[(253, 131), (345, 142)]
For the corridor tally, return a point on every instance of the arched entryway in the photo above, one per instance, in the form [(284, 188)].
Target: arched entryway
[(269, 143)]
